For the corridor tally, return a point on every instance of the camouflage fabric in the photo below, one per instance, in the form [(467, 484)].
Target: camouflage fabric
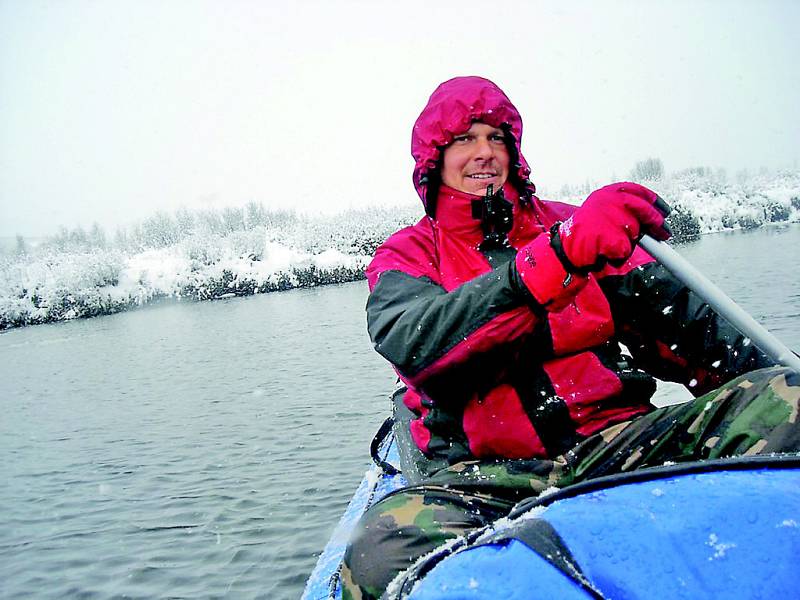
[(753, 414), (406, 525)]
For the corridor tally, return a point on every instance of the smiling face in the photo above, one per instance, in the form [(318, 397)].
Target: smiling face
[(475, 159)]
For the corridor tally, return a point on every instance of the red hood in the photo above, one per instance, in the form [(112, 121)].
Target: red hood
[(451, 110)]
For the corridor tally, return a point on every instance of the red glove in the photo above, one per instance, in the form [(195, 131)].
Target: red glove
[(607, 226)]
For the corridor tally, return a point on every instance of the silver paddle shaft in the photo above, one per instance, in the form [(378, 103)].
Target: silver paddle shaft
[(720, 302)]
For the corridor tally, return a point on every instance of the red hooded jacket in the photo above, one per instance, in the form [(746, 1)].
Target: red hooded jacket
[(498, 367)]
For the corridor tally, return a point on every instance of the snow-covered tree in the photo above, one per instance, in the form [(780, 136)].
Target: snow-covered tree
[(650, 169)]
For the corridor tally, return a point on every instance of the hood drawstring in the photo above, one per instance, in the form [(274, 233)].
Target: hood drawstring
[(497, 217)]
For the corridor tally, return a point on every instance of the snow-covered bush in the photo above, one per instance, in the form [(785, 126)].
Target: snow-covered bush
[(650, 169), (684, 225), (54, 286)]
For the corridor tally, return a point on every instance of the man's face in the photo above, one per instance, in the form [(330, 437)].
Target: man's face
[(475, 159)]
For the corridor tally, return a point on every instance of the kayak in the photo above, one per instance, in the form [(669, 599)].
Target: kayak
[(716, 529), (712, 529)]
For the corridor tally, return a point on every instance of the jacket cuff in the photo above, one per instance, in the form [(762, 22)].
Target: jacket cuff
[(544, 276)]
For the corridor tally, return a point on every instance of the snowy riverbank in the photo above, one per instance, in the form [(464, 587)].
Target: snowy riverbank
[(210, 255)]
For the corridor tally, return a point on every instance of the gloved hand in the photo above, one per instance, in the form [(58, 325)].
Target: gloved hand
[(607, 226)]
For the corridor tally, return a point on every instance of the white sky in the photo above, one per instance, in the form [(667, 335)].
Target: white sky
[(112, 110)]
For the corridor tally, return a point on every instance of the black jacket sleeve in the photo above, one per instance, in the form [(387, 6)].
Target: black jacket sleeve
[(674, 334), (422, 329)]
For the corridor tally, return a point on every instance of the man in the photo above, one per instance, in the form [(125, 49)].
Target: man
[(503, 314)]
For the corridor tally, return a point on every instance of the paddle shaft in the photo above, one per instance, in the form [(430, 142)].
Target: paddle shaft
[(720, 302)]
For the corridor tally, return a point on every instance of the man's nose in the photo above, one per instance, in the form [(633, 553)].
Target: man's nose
[(483, 149)]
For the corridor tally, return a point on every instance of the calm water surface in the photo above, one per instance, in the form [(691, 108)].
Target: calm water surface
[(207, 449)]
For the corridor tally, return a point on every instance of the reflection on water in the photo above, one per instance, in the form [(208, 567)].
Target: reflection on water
[(193, 450)]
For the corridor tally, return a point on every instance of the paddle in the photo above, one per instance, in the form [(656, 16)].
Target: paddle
[(716, 299)]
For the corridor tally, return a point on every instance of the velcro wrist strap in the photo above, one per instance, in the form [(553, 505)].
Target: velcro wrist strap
[(558, 248), (544, 275)]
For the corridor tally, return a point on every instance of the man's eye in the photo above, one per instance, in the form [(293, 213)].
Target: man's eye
[(460, 139), (498, 138)]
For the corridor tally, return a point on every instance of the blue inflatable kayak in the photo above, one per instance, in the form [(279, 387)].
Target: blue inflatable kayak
[(714, 529), (719, 529)]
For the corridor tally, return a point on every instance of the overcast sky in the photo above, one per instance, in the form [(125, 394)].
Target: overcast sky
[(112, 110)]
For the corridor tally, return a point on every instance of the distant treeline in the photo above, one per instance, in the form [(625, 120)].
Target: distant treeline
[(162, 229), (352, 232)]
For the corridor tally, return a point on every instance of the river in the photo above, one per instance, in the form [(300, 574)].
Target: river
[(207, 449)]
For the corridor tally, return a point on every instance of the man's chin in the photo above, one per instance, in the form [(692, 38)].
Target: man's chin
[(479, 188)]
